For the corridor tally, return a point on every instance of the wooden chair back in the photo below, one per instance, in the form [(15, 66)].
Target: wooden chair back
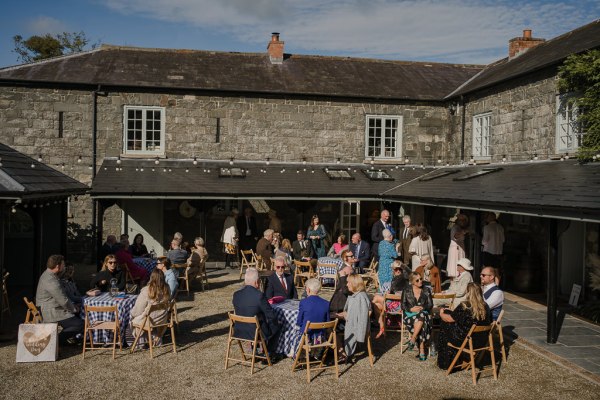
[(306, 346), (247, 260), (184, 279), (445, 296), (498, 331), (128, 277), (397, 314), (467, 348), (148, 325), (111, 324), (33, 315), (248, 358), (333, 276), (372, 266), (303, 271)]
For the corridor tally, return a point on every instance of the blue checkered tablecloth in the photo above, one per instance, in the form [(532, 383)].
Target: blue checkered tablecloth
[(289, 335), (331, 260), (147, 263), (124, 306), (326, 269)]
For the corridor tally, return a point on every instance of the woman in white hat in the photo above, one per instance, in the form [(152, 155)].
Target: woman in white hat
[(459, 284)]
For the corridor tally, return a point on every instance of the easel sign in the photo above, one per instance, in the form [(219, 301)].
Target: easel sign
[(37, 343), (575, 292)]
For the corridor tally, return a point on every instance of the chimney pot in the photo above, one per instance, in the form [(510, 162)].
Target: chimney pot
[(275, 37), (527, 33), (520, 45)]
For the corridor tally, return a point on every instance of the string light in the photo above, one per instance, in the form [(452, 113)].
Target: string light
[(268, 161), (231, 161), (187, 170), (32, 165), (40, 158), (119, 160), (156, 161), (503, 158), (195, 162), (337, 161), (13, 210), (79, 160)]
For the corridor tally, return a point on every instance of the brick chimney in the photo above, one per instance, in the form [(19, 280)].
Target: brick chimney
[(520, 45), (275, 49)]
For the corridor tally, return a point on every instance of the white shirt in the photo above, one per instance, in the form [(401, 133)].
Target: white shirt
[(493, 238), (496, 299)]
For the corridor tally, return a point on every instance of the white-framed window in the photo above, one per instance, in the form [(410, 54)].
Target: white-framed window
[(569, 131), (143, 130), (383, 136), (350, 218), (482, 133)]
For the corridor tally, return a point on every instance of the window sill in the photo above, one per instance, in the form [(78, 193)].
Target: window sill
[(143, 155)]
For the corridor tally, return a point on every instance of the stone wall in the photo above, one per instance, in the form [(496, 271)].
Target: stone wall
[(523, 118)]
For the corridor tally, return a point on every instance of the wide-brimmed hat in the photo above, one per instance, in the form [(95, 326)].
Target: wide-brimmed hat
[(465, 263)]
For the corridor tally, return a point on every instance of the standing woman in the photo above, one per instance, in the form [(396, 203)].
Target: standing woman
[(387, 255), (419, 246), (316, 234), (230, 237), (138, 248), (456, 251), (417, 305)]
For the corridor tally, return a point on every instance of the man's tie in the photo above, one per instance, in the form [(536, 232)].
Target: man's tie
[(405, 236), (283, 282)]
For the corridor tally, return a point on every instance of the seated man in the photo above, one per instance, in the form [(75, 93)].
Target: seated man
[(176, 254), (313, 308), (280, 283), (300, 246), (54, 303), (361, 251), (492, 294), (164, 264), (250, 301)]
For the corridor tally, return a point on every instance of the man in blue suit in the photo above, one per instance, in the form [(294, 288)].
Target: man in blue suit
[(313, 308), (280, 283), (361, 251), (250, 301)]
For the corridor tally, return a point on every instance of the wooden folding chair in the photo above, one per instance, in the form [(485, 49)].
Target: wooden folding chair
[(203, 275), (304, 271), (184, 279), (371, 280), (247, 260), (5, 302), (307, 346), (99, 325), (33, 315), (128, 277), (333, 276), (446, 296), (498, 331), (404, 333), (473, 352), (148, 325), (260, 264), (372, 266), (248, 358)]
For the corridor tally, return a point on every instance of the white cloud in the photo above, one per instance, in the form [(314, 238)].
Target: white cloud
[(428, 30), (43, 24)]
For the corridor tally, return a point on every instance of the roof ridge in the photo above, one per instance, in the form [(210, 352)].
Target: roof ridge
[(51, 59)]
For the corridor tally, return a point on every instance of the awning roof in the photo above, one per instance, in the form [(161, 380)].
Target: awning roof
[(18, 180), (561, 189)]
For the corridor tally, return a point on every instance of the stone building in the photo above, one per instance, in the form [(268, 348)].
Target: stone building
[(172, 139)]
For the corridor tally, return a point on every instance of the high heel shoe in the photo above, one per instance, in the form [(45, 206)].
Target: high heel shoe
[(381, 333)]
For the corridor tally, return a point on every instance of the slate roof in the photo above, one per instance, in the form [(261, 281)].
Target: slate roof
[(19, 180), (563, 189), (549, 53), (246, 73)]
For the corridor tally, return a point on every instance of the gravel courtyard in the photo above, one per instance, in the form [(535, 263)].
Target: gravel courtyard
[(197, 370)]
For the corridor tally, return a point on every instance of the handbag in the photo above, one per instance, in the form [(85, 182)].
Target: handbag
[(229, 248)]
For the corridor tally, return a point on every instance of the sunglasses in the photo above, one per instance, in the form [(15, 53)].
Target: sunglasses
[(349, 255), (418, 280), (110, 262), (279, 267)]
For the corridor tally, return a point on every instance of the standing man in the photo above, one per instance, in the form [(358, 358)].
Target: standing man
[(300, 245), (492, 295), (406, 238), (377, 231), (264, 247), (361, 251), (492, 241), (54, 303), (247, 230), (280, 283)]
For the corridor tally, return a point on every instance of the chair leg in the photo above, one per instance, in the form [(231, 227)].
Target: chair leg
[(369, 349), (493, 357), (472, 361), (150, 342), (115, 335), (227, 352), (501, 343), (298, 353), (306, 349), (173, 341), (135, 341), (458, 354), (254, 349)]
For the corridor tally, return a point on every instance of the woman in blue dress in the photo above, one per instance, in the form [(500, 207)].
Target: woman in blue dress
[(316, 234), (387, 255)]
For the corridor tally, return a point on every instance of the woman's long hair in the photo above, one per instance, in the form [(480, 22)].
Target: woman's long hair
[(423, 234), (110, 257), (312, 220), (158, 289), (474, 301)]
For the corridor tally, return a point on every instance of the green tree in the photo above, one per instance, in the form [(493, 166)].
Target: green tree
[(580, 74), (38, 48)]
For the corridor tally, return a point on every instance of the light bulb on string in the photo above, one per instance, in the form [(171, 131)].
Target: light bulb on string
[(156, 161), (39, 158), (79, 160), (195, 162)]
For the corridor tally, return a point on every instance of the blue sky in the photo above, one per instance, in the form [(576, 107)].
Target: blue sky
[(462, 31)]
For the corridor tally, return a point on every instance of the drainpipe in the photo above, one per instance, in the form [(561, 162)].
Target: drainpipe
[(95, 237), (552, 290), (462, 129)]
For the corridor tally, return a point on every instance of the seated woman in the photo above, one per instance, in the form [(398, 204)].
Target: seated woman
[(341, 293), (356, 316), (156, 292), (69, 286), (198, 256), (399, 282), (124, 257), (110, 271), (312, 309), (338, 247), (138, 248), (430, 273), (456, 324), (285, 251), (164, 264), (417, 305)]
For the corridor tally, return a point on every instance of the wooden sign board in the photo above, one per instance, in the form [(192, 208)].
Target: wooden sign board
[(575, 292), (37, 342)]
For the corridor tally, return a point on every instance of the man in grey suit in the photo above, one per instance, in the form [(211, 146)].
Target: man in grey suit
[(54, 303)]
